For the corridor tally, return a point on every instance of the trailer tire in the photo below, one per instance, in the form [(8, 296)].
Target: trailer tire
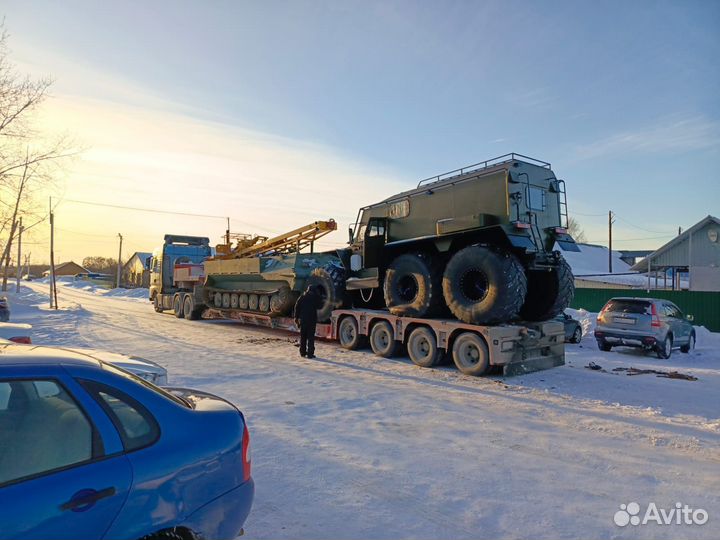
[(482, 286), (242, 301), (330, 279), (382, 340), (177, 306), (422, 347), (549, 293), (413, 286), (253, 301), (264, 303), (226, 300), (348, 333), (217, 299), (471, 354), (233, 301)]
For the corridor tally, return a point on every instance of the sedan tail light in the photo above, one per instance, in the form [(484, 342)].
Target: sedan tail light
[(246, 458), (25, 340)]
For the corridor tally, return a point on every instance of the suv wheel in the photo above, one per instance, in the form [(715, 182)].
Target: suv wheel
[(690, 344), (665, 349)]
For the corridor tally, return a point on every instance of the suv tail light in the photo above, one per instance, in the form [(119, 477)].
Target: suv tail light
[(655, 323), (602, 312), (25, 340), (246, 458)]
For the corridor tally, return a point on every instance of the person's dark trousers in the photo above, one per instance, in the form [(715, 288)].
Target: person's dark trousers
[(307, 340)]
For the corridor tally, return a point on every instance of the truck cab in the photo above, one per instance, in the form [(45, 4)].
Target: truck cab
[(178, 256)]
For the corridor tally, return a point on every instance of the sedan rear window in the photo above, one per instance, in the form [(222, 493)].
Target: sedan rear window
[(638, 307)]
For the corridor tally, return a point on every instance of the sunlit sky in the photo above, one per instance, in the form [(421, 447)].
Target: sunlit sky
[(280, 113)]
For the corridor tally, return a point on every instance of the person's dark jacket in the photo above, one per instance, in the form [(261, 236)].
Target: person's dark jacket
[(306, 308)]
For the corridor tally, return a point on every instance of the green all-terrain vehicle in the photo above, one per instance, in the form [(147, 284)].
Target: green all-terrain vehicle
[(478, 242)]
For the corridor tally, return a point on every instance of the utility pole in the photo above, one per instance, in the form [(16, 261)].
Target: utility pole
[(19, 256), (53, 285), (119, 268), (611, 220), (227, 233)]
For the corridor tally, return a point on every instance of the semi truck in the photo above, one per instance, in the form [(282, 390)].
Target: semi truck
[(463, 266)]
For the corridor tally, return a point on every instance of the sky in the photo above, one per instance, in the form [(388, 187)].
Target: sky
[(280, 113)]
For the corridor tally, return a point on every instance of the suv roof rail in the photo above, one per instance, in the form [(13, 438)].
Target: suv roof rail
[(484, 165)]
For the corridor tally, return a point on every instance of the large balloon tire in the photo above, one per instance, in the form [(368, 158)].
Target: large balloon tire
[(482, 286), (549, 292), (413, 286), (331, 280)]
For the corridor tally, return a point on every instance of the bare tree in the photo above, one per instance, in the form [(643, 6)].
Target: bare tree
[(575, 230), (28, 163)]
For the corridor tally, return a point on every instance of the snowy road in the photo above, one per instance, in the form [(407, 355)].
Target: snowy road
[(352, 446)]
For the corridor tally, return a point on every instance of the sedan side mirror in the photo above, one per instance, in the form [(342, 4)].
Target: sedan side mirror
[(690, 318)]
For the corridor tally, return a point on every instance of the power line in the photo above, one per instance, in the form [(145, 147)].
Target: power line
[(152, 210), (642, 228)]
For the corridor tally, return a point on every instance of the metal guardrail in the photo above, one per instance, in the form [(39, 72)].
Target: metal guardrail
[(484, 165)]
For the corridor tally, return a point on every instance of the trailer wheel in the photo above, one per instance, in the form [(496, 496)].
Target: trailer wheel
[(330, 280), (264, 303), (413, 286), (234, 301), (348, 334), (177, 306), (470, 354), (382, 340), (422, 347), (217, 299), (190, 312), (253, 301), (156, 304), (482, 286), (549, 292), (226, 300), (243, 301)]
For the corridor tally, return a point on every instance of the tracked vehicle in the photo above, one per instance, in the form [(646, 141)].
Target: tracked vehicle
[(266, 275), (477, 242)]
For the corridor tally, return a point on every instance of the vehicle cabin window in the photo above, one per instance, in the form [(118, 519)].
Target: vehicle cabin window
[(672, 311), (376, 229), (135, 424), (536, 198), (42, 427)]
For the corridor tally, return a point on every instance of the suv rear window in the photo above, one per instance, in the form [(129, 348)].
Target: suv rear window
[(638, 307)]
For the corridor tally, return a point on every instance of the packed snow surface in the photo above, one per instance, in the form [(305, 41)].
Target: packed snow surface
[(349, 445)]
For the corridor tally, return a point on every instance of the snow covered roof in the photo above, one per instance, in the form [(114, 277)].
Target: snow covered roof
[(591, 263)]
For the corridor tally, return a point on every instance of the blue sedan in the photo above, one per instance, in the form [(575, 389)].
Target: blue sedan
[(88, 450)]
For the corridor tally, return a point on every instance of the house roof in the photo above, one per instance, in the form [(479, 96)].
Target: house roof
[(641, 266), (68, 263), (142, 256)]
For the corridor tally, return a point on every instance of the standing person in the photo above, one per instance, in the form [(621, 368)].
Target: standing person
[(305, 315)]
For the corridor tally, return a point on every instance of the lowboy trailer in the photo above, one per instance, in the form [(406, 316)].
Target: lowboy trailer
[(475, 349)]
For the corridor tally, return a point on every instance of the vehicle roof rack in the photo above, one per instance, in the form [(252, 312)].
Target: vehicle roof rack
[(484, 165)]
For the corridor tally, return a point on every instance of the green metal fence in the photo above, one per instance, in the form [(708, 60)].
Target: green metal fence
[(703, 306)]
